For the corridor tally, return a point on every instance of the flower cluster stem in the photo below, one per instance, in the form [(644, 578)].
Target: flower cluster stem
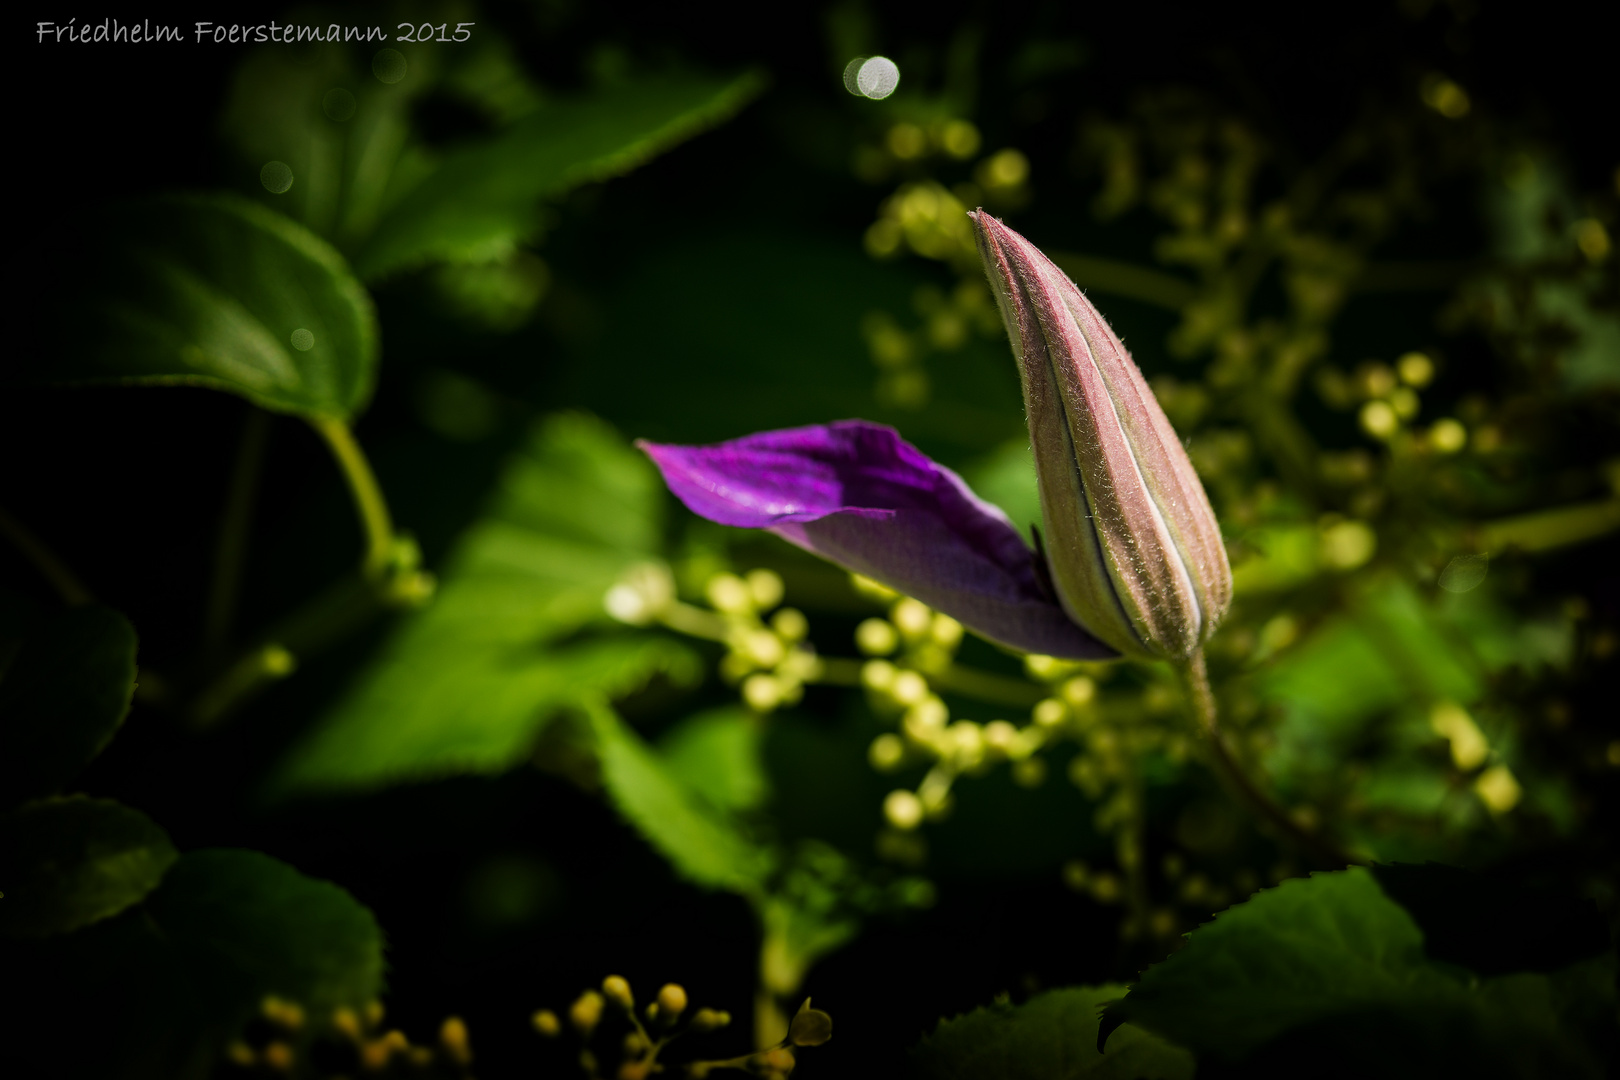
[(368, 497), (1196, 679), (50, 566)]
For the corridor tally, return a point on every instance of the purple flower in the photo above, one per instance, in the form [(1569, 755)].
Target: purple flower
[(1134, 561), (858, 495)]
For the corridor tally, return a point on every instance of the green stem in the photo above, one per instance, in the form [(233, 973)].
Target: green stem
[(368, 496), (987, 687), (50, 567), (231, 552), (1196, 679)]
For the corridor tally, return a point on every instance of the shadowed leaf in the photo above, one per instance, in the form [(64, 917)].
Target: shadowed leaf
[(74, 861)]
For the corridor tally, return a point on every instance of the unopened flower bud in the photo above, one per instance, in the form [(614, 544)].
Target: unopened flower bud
[(586, 1012), (453, 1040), (546, 1023), (706, 1020), (810, 1027), (671, 1002), (617, 990), (1132, 543)]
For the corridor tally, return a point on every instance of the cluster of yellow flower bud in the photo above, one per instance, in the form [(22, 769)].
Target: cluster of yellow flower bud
[(657, 1025), (280, 1040), (768, 658)]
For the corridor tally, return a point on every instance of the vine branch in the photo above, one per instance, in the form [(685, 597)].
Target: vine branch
[(1196, 679)]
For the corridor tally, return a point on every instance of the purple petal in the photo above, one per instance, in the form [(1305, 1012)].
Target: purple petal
[(858, 495)]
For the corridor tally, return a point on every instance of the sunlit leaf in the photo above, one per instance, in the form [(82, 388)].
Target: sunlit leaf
[(1053, 1036), (703, 845), (74, 861), (472, 710), (718, 755), (1333, 964), (62, 698), (485, 196), (467, 685), (220, 292)]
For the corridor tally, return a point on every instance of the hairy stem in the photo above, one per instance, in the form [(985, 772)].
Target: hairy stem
[(230, 553), (50, 567), (1196, 678), (368, 496)]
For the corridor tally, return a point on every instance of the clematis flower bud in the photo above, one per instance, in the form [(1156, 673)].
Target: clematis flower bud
[(1132, 544)]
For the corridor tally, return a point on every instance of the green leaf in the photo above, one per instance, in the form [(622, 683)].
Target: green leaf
[(1053, 1036), (485, 196), (215, 291), (247, 925), (74, 861), (62, 698), (705, 847), (170, 981), (1330, 966), (473, 711), (718, 755), (467, 685)]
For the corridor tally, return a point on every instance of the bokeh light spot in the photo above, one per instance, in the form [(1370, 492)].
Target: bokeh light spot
[(276, 176), (874, 77), (389, 66), (303, 340), (338, 104)]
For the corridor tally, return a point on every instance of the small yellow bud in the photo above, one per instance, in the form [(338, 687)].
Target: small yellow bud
[(728, 593), (374, 1054), (671, 1002), (546, 1023), (999, 736), (1498, 789), (1050, 713), (886, 752), (453, 1040), (791, 624), (617, 990), (762, 692), (908, 688), (946, 631), (810, 1027), (1415, 369), (1079, 692), (764, 648), (706, 1020), (764, 588), (925, 719), (1448, 436), (346, 1022), (586, 1012), (279, 1056), (240, 1053), (1379, 420), (876, 637), (903, 810), (374, 1013), (911, 617), (879, 675)]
